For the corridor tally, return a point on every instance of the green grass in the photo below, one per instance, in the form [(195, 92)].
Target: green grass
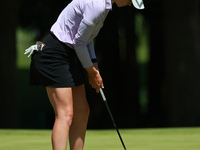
[(135, 139)]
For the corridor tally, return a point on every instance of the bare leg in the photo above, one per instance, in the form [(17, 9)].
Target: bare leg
[(80, 119), (62, 102)]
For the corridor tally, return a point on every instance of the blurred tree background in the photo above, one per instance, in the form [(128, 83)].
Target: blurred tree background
[(149, 61)]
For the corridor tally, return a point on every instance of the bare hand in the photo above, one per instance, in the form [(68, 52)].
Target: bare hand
[(95, 79)]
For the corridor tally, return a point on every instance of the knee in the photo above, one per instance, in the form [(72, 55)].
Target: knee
[(66, 117), (69, 118), (86, 111)]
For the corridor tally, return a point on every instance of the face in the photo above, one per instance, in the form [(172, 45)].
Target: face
[(122, 3)]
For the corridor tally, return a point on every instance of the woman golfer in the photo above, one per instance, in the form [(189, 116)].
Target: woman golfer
[(54, 66)]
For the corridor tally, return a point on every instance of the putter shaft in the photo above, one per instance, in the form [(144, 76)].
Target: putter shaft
[(111, 116)]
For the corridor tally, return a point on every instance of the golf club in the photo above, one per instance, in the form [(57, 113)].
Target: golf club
[(111, 116)]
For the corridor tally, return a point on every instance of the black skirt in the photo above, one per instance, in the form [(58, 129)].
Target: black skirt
[(55, 66)]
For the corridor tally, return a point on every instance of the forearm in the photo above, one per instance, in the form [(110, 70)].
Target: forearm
[(86, 55), (83, 55), (91, 51)]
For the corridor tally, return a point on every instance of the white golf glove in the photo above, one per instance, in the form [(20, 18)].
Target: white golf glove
[(38, 46)]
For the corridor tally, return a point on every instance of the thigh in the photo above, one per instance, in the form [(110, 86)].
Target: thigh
[(61, 100), (79, 100)]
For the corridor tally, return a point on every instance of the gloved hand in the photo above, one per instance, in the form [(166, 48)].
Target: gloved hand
[(38, 46)]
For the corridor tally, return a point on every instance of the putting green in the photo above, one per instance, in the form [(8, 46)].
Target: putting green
[(134, 139)]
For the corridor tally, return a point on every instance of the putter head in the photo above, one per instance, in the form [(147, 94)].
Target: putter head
[(138, 4)]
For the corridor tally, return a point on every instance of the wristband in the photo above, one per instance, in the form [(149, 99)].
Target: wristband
[(94, 60)]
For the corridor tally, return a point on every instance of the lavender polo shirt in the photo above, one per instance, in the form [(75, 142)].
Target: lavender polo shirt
[(79, 23)]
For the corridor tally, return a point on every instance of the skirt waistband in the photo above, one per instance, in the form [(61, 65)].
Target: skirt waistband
[(65, 44)]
